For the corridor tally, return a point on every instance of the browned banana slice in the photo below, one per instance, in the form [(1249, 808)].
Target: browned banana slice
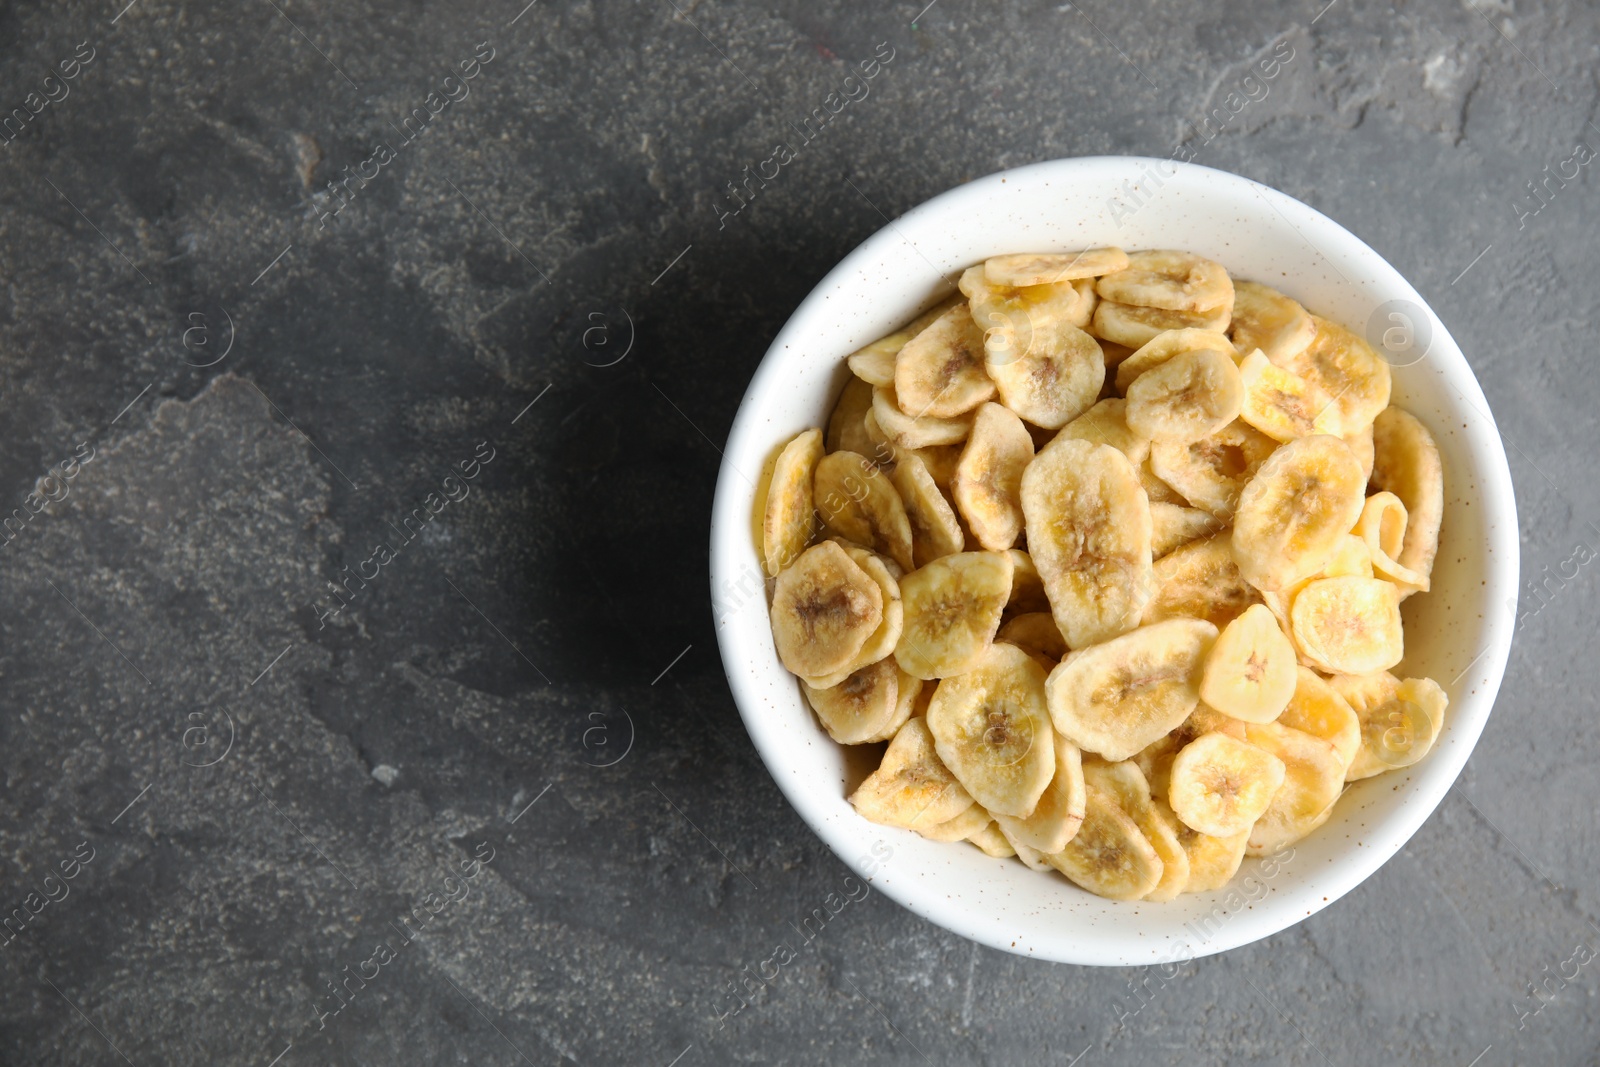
[(1221, 786), (1293, 513), (1173, 525), (857, 501), (1088, 526), (1200, 580), (1317, 709), (1406, 463), (911, 788), (1106, 423), (1400, 721), (952, 610), (991, 728), (934, 529), (1190, 396), (1346, 372), (908, 432), (1035, 631), (1312, 780), (1109, 856), (1175, 281), (1059, 812), (1266, 319), (824, 608), (1213, 861), (1348, 625), (1283, 405), (846, 432), (939, 373), (1044, 268), (790, 520), (1115, 698), (1212, 472), (988, 482), (1172, 343)]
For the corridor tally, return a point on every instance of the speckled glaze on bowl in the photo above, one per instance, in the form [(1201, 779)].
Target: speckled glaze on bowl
[(1459, 633)]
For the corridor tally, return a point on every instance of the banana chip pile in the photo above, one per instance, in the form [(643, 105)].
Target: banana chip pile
[(1110, 550)]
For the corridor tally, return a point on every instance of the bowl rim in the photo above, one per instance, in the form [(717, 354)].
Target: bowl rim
[(731, 519)]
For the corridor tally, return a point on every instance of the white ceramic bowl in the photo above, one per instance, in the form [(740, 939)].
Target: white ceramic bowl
[(1459, 633)]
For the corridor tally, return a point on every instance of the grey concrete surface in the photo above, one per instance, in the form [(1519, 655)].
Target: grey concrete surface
[(256, 784)]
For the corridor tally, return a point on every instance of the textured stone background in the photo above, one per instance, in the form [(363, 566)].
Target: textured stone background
[(265, 794)]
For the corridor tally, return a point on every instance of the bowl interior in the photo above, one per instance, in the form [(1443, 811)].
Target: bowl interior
[(1458, 634)]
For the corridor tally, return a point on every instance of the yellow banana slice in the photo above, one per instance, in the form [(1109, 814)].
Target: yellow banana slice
[(963, 826), (1281, 404), (952, 610), (1155, 759), (1109, 856), (991, 728), (1114, 698), (1221, 785), (1035, 631), (1213, 861), (1211, 472), (1135, 326), (1059, 812), (1293, 513), (1173, 525), (1346, 372), (1156, 490), (856, 500), (874, 363), (1382, 527), (1312, 780), (1361, 444), (988, 484), (1399, 720), (1106, 423), (1200, 580), (1317, 709), (908, 432), (846, 433), (824, 608), (934, 529), (1113, 352), (1088, 527), (887, 635), (1190, 396), (1172, 343), (1250, 671), (1266, 319), (911, 788), (1155, 820), (941, 462), (1027, 588), (1175, 281), (1083, 314), (1406, 463), (939, 373), (992, 842), (1044, 268), (790, 519), (864, 706), (1348, 625)]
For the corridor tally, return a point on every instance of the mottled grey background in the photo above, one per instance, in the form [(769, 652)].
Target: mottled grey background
[(265, 793)]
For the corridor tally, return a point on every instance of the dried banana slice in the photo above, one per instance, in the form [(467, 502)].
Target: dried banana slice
[(1156, 490), (941, 462), (1155, 759), (1313, 778), (1406, 463), (1113, 352), (1127, 784), (1250, 671), (991, 842), (1317, 709), (1083, 314), (1175, 281), (1382, 527), (1190, 396), (972, 821), (1281, 404), (1200, 580), (1135, 326), (1117, 697), (1221, 786), (856, 500), (874, 363), (1213, 861), (1045, 367), (1043, 268), (1399, 720), (907, 432), (790, 518), (1173, 525), (1360, 443), (863, 706), (939, 373), (1109, 856), (887, 635), (991, 728), (952, 610), (1035, 631), (1348, 625), (1211, 472), (934, 529), (1266, 319), (1292, 514), (1027, 588), (846, 433), (824, 608), (1346, 372), (1088, 526), (911, 788), (988, 484), (1106, 423), (1169, 344), (1059, 812)]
